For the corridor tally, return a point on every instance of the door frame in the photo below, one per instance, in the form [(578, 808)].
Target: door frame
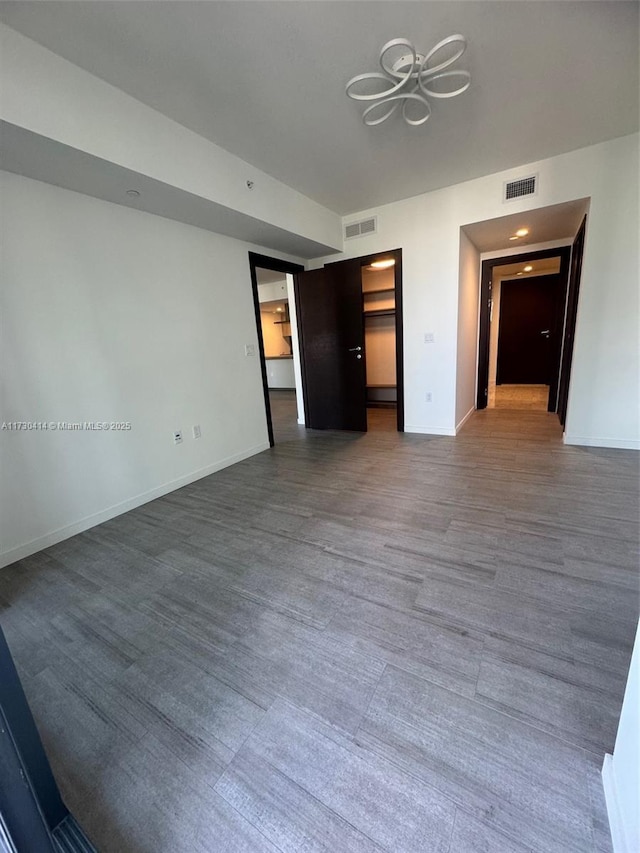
[(486, 296), (276, 265), (571, 316), (364, 261)]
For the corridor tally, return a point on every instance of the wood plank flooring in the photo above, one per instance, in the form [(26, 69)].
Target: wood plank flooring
[(515, 397), (346, 643)]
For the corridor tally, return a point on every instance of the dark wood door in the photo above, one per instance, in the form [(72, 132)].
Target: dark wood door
[(528, 311), (331, 332), (575, 274)]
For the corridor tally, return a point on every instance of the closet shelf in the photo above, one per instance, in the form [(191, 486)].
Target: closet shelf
[(379, 290), (380, 312)]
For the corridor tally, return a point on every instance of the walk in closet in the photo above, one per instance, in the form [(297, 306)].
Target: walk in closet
[(379, 309)]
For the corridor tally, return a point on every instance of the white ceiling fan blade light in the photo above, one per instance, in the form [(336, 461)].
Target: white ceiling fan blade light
[(372, 122), (425, 87), (403, 74), (461, 40), (407, 96), (376, 75), (416, 122), (373, 75), (392, 70)]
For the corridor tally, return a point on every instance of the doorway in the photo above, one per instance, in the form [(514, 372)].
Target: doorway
[(272, 288), (350, 326), (522, 314)]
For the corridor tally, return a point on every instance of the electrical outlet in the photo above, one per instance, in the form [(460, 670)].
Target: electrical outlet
[(428, 397), (249, 349), (177, 437), (197, 432), (429, 337)]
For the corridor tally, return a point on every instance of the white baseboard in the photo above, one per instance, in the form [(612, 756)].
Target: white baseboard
[(302, 421), (616, 443), (616, 823), (465, 419), (418, 430), (55, 536)]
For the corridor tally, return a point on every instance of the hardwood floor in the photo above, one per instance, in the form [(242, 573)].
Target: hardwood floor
[(347, 643), (520, 397)]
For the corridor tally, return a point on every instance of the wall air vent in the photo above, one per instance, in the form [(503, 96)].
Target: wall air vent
[(360, 229), (520, 188)]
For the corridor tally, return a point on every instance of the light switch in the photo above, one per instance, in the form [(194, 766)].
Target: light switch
[(249, 349), (429, 337)]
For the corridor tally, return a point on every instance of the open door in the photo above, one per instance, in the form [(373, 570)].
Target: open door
[(331, 330), (575, 273)]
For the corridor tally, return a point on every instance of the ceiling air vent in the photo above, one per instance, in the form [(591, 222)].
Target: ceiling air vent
[(520, 188), (359, 229)]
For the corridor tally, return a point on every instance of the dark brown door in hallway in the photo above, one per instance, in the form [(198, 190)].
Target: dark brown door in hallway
[(331, 330), (526, 338)]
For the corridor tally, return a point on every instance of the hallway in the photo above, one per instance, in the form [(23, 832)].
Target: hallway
[(346, 643)]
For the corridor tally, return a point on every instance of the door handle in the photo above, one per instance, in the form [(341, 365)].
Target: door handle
[(546, 332), (355, 349)]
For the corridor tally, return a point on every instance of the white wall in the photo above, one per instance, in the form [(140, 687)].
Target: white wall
[(467, 355), (272, 290), (295, 346), (621, 772), (380, 349), (604, 397), (111, 314)]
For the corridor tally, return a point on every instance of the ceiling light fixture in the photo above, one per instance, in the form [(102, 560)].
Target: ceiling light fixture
[(528, 268), (383, 265), (522, 232), (133, 193), (411, 78)]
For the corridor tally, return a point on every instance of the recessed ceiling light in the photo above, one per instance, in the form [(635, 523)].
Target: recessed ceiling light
[(383, 265), (133, 193), (514, 237), (528, 268), (519, 273), (522, 232)]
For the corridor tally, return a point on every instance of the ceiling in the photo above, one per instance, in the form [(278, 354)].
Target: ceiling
[(544, 266), (265, 80), (265, 276), (43, 159), (555, 222)]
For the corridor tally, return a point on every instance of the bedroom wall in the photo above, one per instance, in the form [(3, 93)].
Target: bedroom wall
[(112, 314)]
